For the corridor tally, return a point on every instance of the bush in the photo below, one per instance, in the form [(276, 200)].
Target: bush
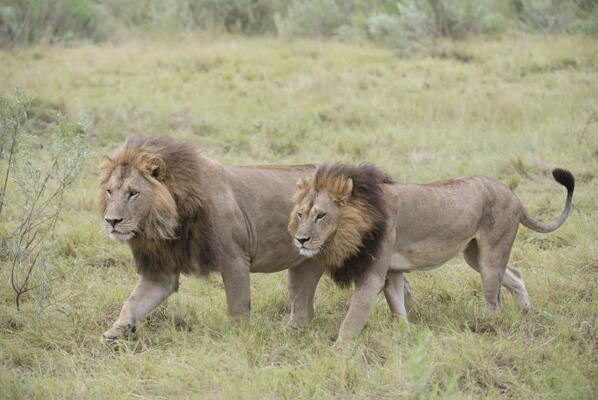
[(444, 18), (34, 21), (240, 16), (422, 22), (49, 21), (557, 16), (330, 18), (31, 206), (392, 24), (385, 21), (386, 29), (313, 18), (244, 16)]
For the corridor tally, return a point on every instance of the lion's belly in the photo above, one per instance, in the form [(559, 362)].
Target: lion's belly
[(423, 256), (276, 263)]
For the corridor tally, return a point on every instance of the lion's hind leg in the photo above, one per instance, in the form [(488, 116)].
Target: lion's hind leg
[(492, 274), (511, 280), (491, 267), (493, 251), (409, 296)]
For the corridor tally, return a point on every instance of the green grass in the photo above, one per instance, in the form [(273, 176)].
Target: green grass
[(511, 109)]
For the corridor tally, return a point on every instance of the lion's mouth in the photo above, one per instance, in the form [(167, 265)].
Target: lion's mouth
[(117, 235), (305, 252)]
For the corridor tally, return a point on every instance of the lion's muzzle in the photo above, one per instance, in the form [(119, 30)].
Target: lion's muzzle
[(300, 242)]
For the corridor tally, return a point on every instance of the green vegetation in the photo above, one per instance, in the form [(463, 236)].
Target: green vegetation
[(401, 24), (28, 233), (511, 108)]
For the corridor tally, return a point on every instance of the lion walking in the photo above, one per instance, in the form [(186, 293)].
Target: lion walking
[(369, 230), (182, 213)]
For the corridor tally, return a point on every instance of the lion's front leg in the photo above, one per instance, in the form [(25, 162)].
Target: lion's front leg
[(362, 302), (303, 280), (148, 294)]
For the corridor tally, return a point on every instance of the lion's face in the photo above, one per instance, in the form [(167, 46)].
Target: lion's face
[(316, 216), (316, 220), (135, 202), (129, 198)]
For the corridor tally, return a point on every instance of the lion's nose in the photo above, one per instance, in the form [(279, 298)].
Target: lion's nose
[(113, 221), (302, 240)]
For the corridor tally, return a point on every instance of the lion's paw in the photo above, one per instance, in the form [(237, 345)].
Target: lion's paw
[(119, 329), (296, 325), (342, 346)]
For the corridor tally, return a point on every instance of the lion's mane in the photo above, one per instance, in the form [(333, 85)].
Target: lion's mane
[(362, 220), (177, 233)]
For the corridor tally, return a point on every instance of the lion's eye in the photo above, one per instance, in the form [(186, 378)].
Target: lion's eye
[(299, 215), (320, 216), (133, 194), (109, 193)]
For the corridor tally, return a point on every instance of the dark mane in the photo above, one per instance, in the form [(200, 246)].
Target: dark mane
[(367, 181)]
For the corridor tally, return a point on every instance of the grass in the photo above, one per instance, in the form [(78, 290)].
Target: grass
[(511, 109)]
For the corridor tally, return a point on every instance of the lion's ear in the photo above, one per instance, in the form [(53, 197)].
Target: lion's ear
[(302, 183), (302, 188), (106, 163), (345, 190), (156, 168)]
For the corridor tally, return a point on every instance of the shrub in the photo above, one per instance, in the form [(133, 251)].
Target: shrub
[(31, 206), (244, 16), (330, 18), (313, 18), (444, 18), (391, 22), (387, 30), (33, 21), (238, 16), (556, 16), (422, 22)]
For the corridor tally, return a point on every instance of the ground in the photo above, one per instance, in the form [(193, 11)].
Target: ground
[(511, 109)]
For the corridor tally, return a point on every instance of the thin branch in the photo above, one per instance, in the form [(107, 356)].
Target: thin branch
[(10, 158)]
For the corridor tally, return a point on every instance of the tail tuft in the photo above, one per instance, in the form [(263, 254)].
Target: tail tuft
[(565, 178)]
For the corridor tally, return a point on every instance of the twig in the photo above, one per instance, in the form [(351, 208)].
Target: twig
[(10, 158)]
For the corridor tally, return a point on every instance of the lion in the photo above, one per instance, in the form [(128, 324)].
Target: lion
[(368, 230), (182, 213)]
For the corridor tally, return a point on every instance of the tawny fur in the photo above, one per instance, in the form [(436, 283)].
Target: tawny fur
[(362, 220), (427, 226), (171, 168), (182, 213)]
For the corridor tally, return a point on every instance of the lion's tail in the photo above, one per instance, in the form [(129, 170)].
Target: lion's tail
[(566, 179)]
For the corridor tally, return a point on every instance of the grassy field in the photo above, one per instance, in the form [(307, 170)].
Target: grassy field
[(511, 109)]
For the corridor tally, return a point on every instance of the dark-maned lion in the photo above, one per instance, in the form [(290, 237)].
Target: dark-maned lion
[(181, 212), (369, 230)]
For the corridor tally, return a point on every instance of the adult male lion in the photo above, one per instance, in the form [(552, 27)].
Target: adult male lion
[(369, 230), (183, 213)]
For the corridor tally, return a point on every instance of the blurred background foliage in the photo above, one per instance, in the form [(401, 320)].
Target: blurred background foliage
[(399, 24)]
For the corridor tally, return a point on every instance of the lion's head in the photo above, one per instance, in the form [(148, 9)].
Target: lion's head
[(134, 197), (151, 195), (339, 216)]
